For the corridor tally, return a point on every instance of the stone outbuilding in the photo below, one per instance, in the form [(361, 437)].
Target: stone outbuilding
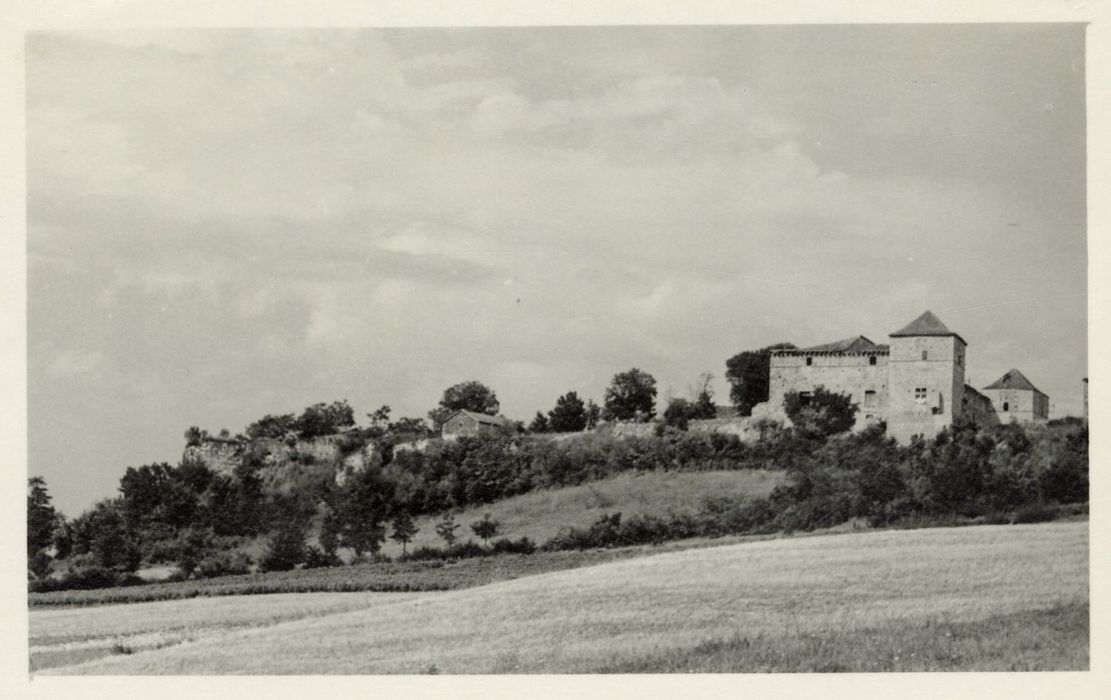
[(464, 423), (1017, 400)]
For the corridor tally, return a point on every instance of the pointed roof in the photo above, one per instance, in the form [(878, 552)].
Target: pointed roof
[(1013, 380), (482, 417), (855, 344), (926, 324)]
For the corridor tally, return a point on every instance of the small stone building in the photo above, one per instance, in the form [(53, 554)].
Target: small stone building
[(1016, 399), (465, 423)]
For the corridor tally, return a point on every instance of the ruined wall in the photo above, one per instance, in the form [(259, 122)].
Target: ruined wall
[(924, 394), (842, 373), (283, 462)]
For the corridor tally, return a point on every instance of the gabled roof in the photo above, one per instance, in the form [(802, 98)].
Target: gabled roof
[(482, 417), (1013, 380), (927, 324), (855, 344)]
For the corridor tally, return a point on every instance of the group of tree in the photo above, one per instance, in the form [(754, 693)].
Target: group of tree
[(570, 415)]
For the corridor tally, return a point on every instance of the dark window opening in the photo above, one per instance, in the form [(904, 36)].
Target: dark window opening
[(872, 360), (809, 361), (1006, 406), (924, 354), (805, 397)]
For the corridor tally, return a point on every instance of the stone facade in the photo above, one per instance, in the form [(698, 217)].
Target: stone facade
[(468, 424), (916, 383), (1016, 399)]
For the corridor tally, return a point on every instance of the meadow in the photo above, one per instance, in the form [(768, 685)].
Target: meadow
[(974, 598), (543, 514)]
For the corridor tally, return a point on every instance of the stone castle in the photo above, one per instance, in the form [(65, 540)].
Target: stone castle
[(916, 382)]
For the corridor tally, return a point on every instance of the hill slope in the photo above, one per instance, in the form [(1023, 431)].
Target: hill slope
[(540, 515), (1016, 594)]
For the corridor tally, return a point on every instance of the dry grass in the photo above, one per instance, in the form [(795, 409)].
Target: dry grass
[(540, 515), (696, 602)]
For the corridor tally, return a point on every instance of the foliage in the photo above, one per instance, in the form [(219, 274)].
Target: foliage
[(41, 523), (539, 424), (485, 528), (631, 395), (446, 529), (593, 414), (274, 427), (568, 415), (324, 419), (403, 529), (749, 377), (195, 436), (471, 396), (823, 414), (286, 548)]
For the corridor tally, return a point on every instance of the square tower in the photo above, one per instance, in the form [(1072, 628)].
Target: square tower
[(925, 378)]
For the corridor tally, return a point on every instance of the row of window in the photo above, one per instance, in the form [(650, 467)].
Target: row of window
[(871, 360)]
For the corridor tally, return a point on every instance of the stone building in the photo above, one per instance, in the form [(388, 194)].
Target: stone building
[(1016, 398), (465, 423), (916, 382)]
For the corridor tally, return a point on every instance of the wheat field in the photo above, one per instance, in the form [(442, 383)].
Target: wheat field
[(641, 613)]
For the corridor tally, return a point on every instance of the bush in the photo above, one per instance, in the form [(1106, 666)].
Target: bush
[(1034, 513), (316, 558), (507, 546), (224, 564), (86, 578)]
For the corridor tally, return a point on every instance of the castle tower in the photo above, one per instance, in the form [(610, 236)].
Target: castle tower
[(925, 378)]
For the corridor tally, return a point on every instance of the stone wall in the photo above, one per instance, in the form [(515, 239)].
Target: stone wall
[(1022, 405), (842, 373)]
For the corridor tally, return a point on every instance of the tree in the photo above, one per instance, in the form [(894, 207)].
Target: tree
[(275, 427), (703, 397), (593, 414), (822, 414), (416, 427), (678, 413), (324, 419), (287, 545), (361, 509), (403, 530), (102, 531), (630, 396), (569, 414), (485, 528), (381, 417), (446, 529), (469, 396), (195, 436), (749, 377), (539, 424), (42, 521)]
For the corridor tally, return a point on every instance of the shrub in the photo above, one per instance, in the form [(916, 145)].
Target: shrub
[(507, 546), (1034, 513), (224, 564), (317, 558)]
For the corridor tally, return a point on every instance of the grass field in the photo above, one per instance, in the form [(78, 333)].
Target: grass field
[(540, 515), (976, 598)]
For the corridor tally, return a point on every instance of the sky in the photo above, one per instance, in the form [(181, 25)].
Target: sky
[(227, 224)]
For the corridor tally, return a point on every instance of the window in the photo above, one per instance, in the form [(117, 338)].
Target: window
[(920, 395), (869, 399), (1006, 406), (809, 361), (871, 359), (805, 397), (940, 405), (924, 354)]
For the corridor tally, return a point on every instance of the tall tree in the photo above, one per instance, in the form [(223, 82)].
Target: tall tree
[(703, 397), (325, 419), (403, 530), (41, 523), (749, 376), (630, 396), (569, 414)]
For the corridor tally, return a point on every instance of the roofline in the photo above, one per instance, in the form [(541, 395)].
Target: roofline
[(878, 350), (927, 335)]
